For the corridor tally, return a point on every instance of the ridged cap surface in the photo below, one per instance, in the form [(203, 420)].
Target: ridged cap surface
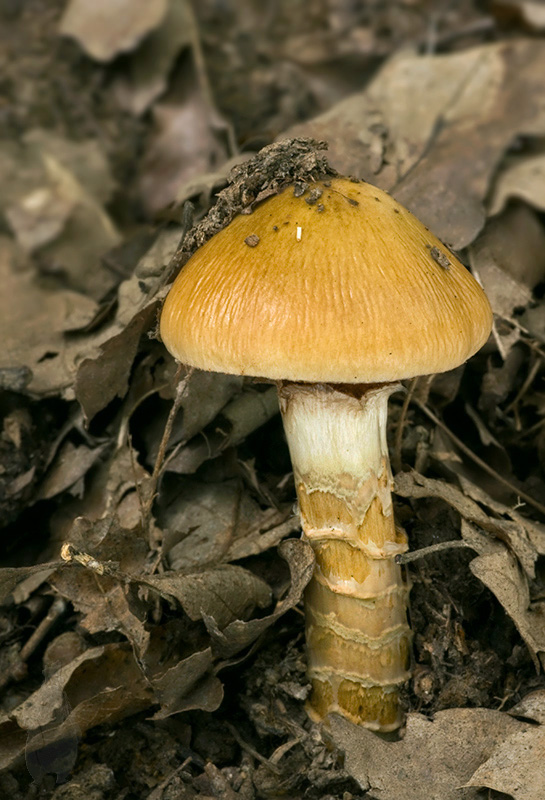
[(351, 288)]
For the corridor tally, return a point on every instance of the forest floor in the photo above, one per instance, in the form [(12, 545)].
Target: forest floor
[(152, 570)]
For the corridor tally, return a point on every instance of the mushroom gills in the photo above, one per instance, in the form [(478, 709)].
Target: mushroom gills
[(358, 637)]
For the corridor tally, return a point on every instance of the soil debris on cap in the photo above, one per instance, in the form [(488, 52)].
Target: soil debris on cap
[(314, 196), (440, 258), (299, 161)]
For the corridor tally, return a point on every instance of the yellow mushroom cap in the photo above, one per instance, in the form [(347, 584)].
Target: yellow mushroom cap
[(349, 288)]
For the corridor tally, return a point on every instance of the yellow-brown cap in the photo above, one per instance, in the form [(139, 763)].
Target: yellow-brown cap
[(346, 286)]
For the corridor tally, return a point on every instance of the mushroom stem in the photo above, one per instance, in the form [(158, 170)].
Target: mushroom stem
[(358, 638)]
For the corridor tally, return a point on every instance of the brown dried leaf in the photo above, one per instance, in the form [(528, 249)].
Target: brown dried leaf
[(433, 760), (509, 258), (446, 122), (85, 159), (150, 65), (267, 530), (104, 376), (498, 382), (33, 320), (532, 706), (240, 634), (104, 30), (12, 742), (70, 465), (106, 357), (184, 143), (23, 170), (110, 490), (225, 594), (54, 206), (107, 603), (178, 688), (523, 527), (524, 537), (516, 767), (212, 522), (39, 217), (104, 684), (11, 577), (244, 414), (533, 320), (500, 573), (202, 520), (205, 395), (523, 178), (86, 236), (32, 323)]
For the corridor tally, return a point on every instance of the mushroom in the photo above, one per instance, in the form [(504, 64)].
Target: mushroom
[(337, 295)]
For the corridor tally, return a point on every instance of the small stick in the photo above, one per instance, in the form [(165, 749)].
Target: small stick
[(159, 461), (252, 751), (157, 793), (404, 558), (534, 369), (17, 670), (71, 554), (396, 460)]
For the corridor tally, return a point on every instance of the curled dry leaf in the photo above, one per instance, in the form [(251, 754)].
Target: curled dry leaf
[(433, 760), (54, 204), (446, 122), (500, 573), (151, 63), (38, 316), (516, 766), (532, 706), (243, 415), (69, 466), (107, 603), (225, 593), (495, 565), (509, 258), (524, 537), (104, 684), (268, 529), (104, 29), (188, 139), (215, 522), (523, 178), (185, 686), (240, 634)]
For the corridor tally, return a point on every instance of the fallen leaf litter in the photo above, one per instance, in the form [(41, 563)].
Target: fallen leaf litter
[(57, 214)]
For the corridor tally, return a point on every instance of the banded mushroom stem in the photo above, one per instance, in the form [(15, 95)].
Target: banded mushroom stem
[(358, 638)]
